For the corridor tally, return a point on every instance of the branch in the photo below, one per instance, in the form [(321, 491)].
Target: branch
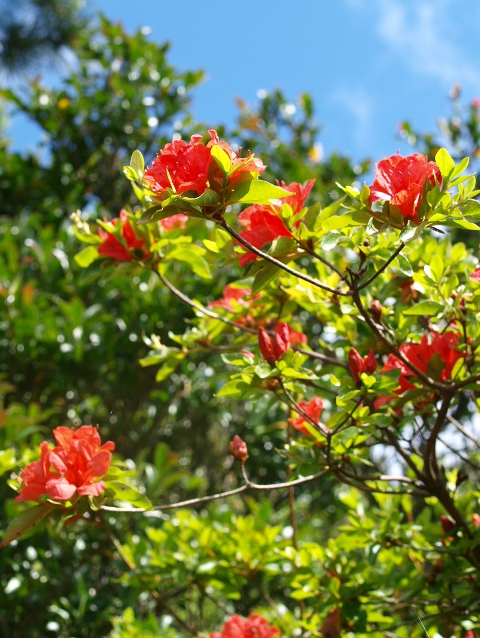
[(194, 304), (442, 387), (205, 499), (462, 430), (276, 262), (382, 268)]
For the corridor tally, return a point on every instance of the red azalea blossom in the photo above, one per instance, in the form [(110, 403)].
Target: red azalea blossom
[(248, 168), (182, 166), (263, 224), (252, 627), (69, 468), (419, 354), (238, 294), (358, 365), (175, 221), (284, 337), (113, 247), (399, 180), (313, 409), (475, 276)]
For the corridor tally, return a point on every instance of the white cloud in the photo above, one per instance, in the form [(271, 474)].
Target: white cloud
[(421, 34)]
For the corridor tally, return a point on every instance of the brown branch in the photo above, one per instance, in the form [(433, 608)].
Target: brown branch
[(214, 497), (462, 430), (382, 268), (391, 348), (276, 262)]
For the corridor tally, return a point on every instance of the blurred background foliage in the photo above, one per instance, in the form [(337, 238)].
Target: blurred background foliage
[(70, 341)]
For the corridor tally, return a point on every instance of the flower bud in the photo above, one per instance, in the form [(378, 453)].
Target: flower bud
[(355, 362), (447, 523), (265, 345), (238, 449), (376, 310)]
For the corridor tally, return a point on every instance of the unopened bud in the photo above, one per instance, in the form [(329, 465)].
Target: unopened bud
[(476, 519), (376, 310), (447, 523), (238, 449)]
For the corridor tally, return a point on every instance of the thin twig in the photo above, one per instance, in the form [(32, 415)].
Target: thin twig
[(276, 262), (383, 267), (462, 430), (205, 499)]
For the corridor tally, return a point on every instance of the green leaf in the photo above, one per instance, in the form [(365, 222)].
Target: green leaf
[(124, 492), (427, 308), (211, 245), (169, 366), (460, 167), (256, 191), (87, 256), (404, 265), (137, 163), (436, 266), (234, 387), (207, 198), (445, 162), (352, 219), (330, 240), (191, 257), (154, 213), (460, 223), (221, 158), (264, 277), (130, 174), (411, 231), (25, 521)]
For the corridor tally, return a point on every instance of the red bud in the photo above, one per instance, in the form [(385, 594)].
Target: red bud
[(331, 624), (265, 344), (476, 520), (356, 364), (281, 341), (370, 363), (238, 449), (447, 523)]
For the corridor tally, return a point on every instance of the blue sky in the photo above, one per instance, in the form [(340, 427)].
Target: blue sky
[(368, 64)]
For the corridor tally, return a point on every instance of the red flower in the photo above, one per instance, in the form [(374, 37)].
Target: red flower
[(284, 337), (358, 364), (181, 166), (475, 276), (175, 221), (248, 168), (72, 466), (252, 627), (313, 409), (233, 293), (263, 224), (113, 247), (419, 354), (399, 180), (238, 449)]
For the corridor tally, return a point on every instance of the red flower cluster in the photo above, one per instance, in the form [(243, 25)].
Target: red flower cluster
[(72, 466), (189, 167), (399, 180), (114, 248), (419, 354), (252, 627), (312, 409), (358, 364), (230, 293), (181, 166), (283, 339), (263, 224)]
